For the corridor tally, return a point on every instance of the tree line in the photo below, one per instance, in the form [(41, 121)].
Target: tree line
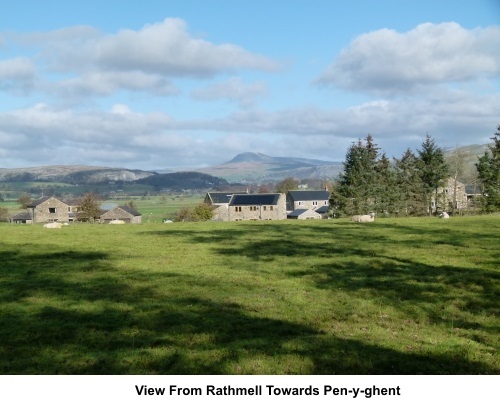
[(413, 184)]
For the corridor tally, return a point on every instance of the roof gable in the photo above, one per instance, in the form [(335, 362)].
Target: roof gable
[(36, 203), (129, 210)]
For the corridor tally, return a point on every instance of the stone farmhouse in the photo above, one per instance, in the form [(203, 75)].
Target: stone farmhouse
[(51, 209), (255, 207), (453, 196), (244, 206), (296, 204)]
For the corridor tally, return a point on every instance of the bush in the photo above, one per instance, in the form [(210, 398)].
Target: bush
[(202, 212)]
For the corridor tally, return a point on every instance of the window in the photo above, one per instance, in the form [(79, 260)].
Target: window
[(315, 203), (237, 209), (52, 210), (253, 208), (265, 208), (271, 208)]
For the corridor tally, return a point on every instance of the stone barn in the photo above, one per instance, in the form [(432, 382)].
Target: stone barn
[(122, 213), (22, 218)]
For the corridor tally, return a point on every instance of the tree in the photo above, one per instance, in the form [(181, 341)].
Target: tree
[(89, 208), (132, 204), (456, 163), (433, 171), (4, 214), (201, 212), (488, 167), (388, 196), (24, 200), (410, 184), (286, 185), (356, 189)]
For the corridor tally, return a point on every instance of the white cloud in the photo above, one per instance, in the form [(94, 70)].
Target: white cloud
[(17, 74), (167, 48), (233, 89), (142, 60), (108, 83), (387, 61)]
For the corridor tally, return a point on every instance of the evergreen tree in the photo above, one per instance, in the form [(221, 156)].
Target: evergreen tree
[(356, 189), (410, 184), (433, 171), (488, 168), (388, 196)]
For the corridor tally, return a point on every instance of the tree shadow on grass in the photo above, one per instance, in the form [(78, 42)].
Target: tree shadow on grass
[(73, 312)]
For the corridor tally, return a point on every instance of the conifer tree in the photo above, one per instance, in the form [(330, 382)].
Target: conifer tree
[(410, 184), (433, 171), (488, 167), (356, 190)]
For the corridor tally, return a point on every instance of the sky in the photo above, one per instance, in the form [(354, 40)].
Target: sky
[(183, 84)]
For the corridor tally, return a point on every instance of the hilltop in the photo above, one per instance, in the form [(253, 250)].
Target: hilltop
[(258, 167)]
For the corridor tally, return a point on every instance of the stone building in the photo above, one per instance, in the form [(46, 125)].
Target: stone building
[(315, 200), (451, 197), (257, 207), (304, 213), (24, 217), (122, 213), (220, 202), (49, 209)]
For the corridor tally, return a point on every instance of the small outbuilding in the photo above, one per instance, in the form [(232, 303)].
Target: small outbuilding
[(24, 217), (122, 213), (303, 213)]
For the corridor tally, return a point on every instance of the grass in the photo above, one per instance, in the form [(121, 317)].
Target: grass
[(398, 296)]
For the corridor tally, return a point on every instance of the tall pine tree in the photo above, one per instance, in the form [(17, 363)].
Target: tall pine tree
[(356, 190), (410, 184), (433, 172)]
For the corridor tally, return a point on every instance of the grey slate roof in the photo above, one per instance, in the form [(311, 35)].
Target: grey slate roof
[(38, 202), (309, 195), (221, 198), (297, 212), (323, 209), (131, 211), (254, 199), (25, 215)]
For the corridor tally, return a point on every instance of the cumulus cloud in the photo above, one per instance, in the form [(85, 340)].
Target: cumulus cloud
[(167, 48), (233, 89), (146, 60), (388, 61), (17, 74)]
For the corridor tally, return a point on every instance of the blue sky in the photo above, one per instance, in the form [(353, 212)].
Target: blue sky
[(185, 84)]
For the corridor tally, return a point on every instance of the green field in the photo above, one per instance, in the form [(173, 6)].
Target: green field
[(397, 296)]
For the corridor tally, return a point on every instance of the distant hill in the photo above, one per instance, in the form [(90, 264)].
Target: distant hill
[(183, 181), (258, 167), (72, 174)]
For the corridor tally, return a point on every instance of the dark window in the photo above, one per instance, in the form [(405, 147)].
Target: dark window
[(52, 210)]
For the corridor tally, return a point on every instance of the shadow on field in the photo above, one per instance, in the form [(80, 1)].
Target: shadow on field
[(75, 312)]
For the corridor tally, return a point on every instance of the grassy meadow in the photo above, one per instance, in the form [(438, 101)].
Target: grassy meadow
[(397, 296)]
